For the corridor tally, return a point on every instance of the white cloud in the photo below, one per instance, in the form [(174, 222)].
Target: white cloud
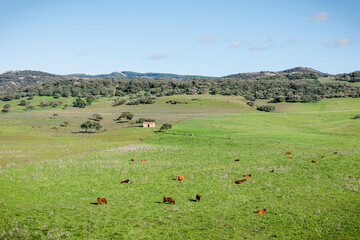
[(206, 39), (236, 44), (319, 17), (158, 56), (339, 43), (258, 48)]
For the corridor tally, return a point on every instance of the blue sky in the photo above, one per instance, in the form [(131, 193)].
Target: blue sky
[(213, 38)]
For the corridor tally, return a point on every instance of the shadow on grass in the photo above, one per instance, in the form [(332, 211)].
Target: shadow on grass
[(94, 203), (159, 202), (82, 132), (192, 200)]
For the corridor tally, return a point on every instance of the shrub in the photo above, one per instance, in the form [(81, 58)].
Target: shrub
[(80, 103), (141, 120), (251, 104), (119, 101), (266, 108), (96, 117), (357, 116)]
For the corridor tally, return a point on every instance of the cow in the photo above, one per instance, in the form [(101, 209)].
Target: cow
[(101, 200), (236, 160), (335, 153), (248, 175), (323, 156), (143, 160), (273, 170), (180, 178), (198, 197), (240, 181), (125, 181), (289, 157), (288, 153), (133, 160), (169, 200), (313, 161), (262, 211)]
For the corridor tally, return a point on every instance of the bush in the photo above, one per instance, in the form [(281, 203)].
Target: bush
[(125, 115), (266, 108), (357, 116), (133, 102), (96, 117), (24, 103), (279, 99), (80, 103), (251, 104), (165, 127), (119, 101), (90, 125)]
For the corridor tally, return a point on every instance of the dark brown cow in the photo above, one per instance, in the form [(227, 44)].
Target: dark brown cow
[(240, 181), (169, 200), (262, 211), (288, 153), (313, 161), (289, 157), (198, 197), (323, 156), (335, 153), (101, 200), (125, 181), (133, 160), (272, 170), (248, 175)]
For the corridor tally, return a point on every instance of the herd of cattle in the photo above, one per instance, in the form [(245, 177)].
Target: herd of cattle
[(198, 197)]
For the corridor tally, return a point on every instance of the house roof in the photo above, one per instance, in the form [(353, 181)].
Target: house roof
[(149, 123)]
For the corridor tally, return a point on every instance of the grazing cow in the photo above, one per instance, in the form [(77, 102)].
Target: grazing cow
[(143, 160), (248, 175), (288, 153), (180, 178), (169, 200), (236, 160), (133, 160), (289, 157), (198, 197), (323, 156), (101, 200), (313, 161), (262, 211), (335, 153), (240, 181), (125, 181), (272, 170)]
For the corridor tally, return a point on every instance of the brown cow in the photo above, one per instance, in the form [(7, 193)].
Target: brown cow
[(101, 200), (236, 160), (248, 175), (240, 181), (180, 178), (169, 200), (262, 211), (323, 156), (198, 197), (143, 160), (313, 161), (133, 160), (125, 181), (335, 153), (288, 153), (289, 157)]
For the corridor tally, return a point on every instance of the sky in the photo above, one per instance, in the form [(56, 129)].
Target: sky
[(211, 38)]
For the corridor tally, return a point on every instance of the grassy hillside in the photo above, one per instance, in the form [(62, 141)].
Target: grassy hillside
[(53, 198)]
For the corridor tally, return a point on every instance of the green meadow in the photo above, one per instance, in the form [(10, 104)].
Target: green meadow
[(51, 176)]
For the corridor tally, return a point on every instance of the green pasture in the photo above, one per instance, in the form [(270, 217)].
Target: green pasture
[(52, 198)]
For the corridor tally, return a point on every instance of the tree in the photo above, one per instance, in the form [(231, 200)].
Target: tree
[(125, 115), (96, 117), (80, 103), (119, 101), (165, 127), (24, 103), (6, 108), (90, 125), (251, 104), (89, 100)]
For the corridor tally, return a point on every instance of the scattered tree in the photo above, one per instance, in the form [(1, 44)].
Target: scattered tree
[(125, 116), (96, 117), (80, 103), (90, 125), (165, 127), (266, 108)]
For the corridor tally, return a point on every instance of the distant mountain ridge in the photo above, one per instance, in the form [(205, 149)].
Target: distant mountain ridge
[(129, 74)]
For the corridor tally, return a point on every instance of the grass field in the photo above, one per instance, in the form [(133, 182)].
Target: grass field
[(52, 198)]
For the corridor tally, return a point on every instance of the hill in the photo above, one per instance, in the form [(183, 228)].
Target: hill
[(129, 74), (297, 72)]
